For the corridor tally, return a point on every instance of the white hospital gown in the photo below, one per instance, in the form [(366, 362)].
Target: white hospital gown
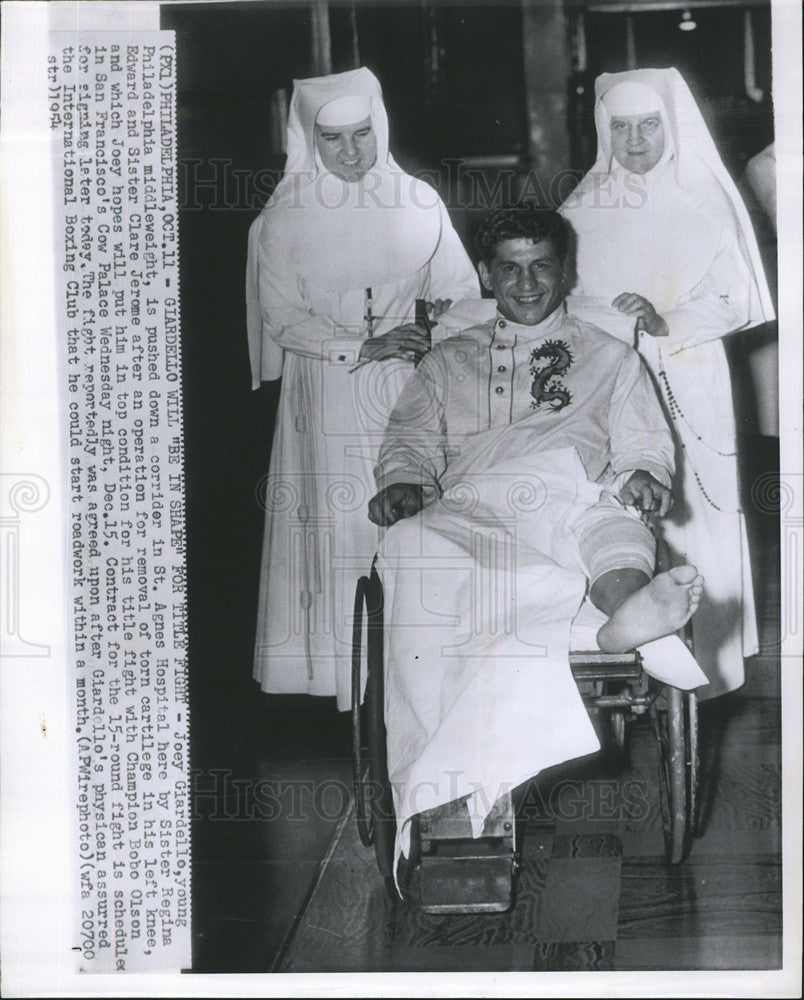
[(575, 385), (513, 431)]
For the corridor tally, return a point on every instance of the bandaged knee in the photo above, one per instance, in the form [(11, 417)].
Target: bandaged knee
[(613, 538)]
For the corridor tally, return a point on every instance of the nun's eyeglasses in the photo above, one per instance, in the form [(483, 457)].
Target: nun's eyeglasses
[(647, 127)]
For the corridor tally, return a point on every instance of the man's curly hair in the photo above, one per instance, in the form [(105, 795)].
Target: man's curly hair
[(526, 220)]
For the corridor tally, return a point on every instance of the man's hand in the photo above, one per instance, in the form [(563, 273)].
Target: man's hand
[(409, 342), (646, 494), (647, 318), (395, 502)]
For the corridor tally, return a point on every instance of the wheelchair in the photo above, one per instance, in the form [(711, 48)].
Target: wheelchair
[(456, 873)]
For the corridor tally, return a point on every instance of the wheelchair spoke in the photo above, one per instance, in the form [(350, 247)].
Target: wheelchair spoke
[(658, 720)]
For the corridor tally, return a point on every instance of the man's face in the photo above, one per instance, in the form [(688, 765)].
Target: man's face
[(637, 141), (348, 151), (528, 279)]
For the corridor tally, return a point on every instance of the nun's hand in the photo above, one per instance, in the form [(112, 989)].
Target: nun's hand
[(647, 318), (438, 308), (409, 342)]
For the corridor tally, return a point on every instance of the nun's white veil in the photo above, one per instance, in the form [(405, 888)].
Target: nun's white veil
[(334, 235), (342, 235), (667, 221)]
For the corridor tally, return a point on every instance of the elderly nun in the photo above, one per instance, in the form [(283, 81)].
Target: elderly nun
[(664, 240), (337, 259)]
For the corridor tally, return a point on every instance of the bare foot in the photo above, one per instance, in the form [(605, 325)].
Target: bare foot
[(659, 608)]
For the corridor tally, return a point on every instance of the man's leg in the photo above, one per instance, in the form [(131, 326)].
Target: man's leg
[(619, 551), (608, 591)]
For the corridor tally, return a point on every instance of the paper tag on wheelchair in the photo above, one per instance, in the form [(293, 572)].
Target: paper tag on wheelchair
[(669, 661)]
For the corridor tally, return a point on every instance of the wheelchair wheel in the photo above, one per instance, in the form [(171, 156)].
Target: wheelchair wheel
[(675, 727), (374, 808), (614, 729)]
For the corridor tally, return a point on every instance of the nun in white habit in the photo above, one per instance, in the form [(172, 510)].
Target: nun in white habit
[(337, 259), (664, 240)]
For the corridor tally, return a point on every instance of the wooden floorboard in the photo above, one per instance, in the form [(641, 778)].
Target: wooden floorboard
[(712, 897)]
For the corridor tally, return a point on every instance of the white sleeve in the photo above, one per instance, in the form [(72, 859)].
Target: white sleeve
[(414, 446), (760, 172), (291, 321), (452, 275), (266, 357), (718, 305), (639, 435)]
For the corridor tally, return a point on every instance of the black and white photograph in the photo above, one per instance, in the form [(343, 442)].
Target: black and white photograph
[(402, 498)]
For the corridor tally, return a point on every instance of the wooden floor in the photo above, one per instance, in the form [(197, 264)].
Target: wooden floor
[(282, 883)]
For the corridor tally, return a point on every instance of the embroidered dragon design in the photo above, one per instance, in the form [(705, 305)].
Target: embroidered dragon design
[(546, 386)]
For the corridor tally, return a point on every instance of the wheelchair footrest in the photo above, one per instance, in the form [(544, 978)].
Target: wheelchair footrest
[(455, 884), (459, 873), (596, 666)]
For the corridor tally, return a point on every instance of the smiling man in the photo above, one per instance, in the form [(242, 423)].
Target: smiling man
[(571, 389), (517, 469)]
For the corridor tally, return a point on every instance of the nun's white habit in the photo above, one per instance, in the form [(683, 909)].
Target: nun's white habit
[(331, 262), (679, 235)]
